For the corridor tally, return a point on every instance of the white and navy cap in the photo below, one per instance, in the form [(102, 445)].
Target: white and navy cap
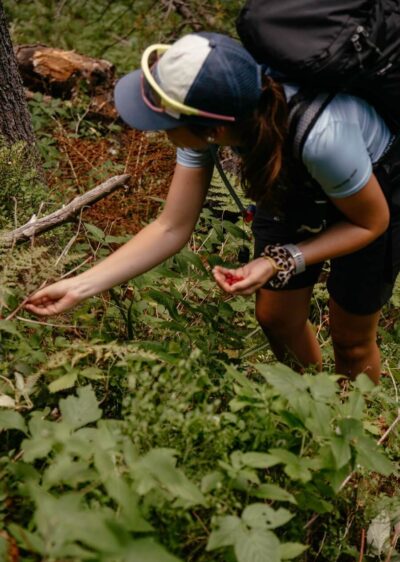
[(208, 71)]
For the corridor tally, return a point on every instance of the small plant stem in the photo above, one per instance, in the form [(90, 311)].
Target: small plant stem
[(397, 420), (71, 241), (361, 557), (79, 266), (393, 544), (390, 429), (41, 323)]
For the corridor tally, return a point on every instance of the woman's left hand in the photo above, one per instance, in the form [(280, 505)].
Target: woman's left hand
[(244, 280)]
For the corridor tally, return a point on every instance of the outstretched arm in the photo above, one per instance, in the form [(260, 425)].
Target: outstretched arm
[(151, 246), (368, 217)]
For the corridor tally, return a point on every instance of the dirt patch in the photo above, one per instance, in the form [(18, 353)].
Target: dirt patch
[(149, 158)]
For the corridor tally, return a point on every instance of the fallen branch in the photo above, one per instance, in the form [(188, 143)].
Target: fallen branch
[(37, 226)]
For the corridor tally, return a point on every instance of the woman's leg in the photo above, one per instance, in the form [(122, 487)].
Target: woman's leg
[(354, 342), (283, 316)]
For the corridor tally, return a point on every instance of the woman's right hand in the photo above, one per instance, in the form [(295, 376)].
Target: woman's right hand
[(54, 299)]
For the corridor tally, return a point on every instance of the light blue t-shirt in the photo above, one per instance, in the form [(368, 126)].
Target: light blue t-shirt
[(346, 140)]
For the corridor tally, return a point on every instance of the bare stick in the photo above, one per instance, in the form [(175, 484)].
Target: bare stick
[(35, 227), (361, 558)]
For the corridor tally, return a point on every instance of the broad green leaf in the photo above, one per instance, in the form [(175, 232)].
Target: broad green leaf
[(82, 410), (95, 231), (165, 300), (93, 373), (104, 463), (282, 378), (226, 533), (240, 378), (307, 500), (296, 468), (336, 478), (341, 451), (31, 542), (364, 383), (234, 230), (62, 521), (193, 259), (259, 460), (354, 406), (298, 472), (371, 427), (118, 489), (9, 327), (350, 428), (290, 550), (273, 492), (257, 546), (370, 457), (322, 387), (41, 442), (284, 456), (12, 420), (262, 516), (211, 481), (159, 464), (147, 550), (319, 422), (64, 470), (64, 382), (302, 404)]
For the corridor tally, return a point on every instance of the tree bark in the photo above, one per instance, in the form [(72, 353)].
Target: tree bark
[(37, 226), (15, 120)]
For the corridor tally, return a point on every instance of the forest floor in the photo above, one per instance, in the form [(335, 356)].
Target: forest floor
[(146, 157)]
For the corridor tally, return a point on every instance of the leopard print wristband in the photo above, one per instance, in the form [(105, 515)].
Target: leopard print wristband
[(285, 265)]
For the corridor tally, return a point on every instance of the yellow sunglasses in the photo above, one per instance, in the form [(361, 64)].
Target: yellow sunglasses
[(166, 102)]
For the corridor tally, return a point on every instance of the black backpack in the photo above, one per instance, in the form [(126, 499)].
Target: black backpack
[(331, 45)]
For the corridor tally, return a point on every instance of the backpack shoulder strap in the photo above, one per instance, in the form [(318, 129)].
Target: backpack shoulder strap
[(304, 110)]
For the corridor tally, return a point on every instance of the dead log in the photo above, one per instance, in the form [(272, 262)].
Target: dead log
[(58, 72), (37, 226)]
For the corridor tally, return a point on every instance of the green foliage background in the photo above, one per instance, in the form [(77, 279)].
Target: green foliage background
[(152, 424)]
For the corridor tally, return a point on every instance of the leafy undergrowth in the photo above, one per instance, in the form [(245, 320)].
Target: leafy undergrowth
[(151, 425)]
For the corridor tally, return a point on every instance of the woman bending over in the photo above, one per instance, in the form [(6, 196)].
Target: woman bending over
[(337, 204)]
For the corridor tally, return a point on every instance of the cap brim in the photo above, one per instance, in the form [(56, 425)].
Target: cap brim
[(132, 109)]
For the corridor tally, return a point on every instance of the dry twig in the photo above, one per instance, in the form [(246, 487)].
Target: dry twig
[(34, 227)]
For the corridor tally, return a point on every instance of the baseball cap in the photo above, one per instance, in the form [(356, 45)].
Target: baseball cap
[(209, 72)]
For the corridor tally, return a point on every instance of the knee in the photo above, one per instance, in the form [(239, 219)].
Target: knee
[(278, 324), (352, 349)]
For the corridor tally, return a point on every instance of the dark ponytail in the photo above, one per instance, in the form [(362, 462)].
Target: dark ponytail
[(264, 135)]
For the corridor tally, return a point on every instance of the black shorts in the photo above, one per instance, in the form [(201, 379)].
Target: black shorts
[(361, 282)]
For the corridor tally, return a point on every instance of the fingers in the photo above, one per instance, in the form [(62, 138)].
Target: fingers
[(45, 308), (244, 280), (234, 281), (53, 299)]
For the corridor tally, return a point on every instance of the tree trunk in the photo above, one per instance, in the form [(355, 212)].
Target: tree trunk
[(15, 121)]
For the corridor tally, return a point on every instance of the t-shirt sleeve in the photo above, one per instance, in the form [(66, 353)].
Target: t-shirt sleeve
[(194, 158), (337, 158)]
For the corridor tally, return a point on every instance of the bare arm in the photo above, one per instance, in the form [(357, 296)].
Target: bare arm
[(368, 217), (151, 246)]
